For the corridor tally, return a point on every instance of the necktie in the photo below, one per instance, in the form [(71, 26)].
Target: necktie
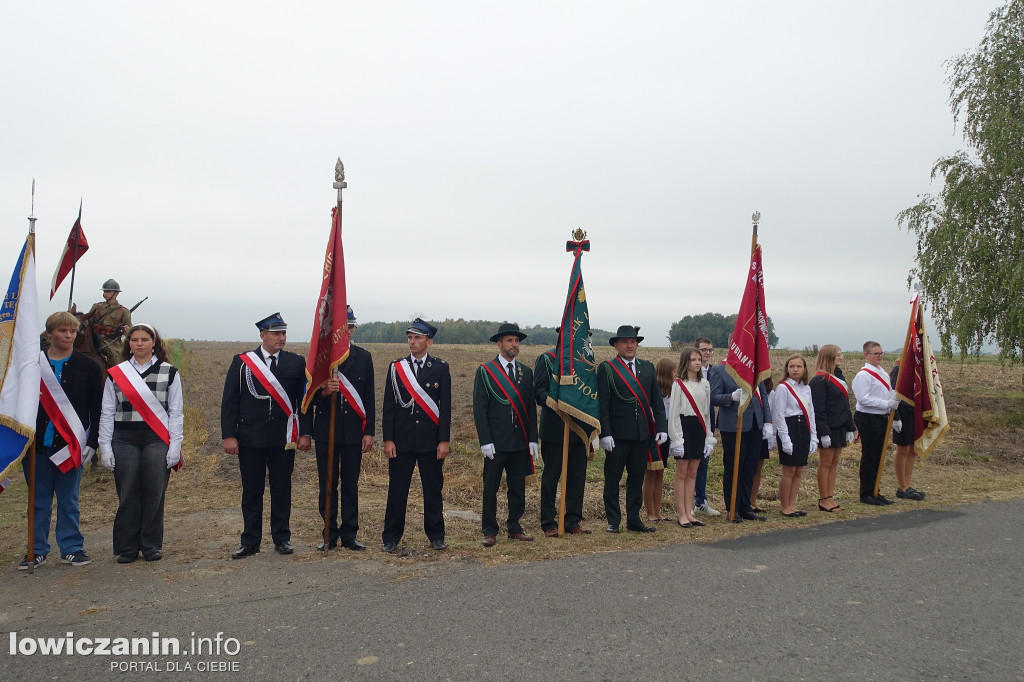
[(419, 366), (511, 372), (273, 363), (632, 369)]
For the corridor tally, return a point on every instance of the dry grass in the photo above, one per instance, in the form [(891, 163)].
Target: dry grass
[(980, 459)]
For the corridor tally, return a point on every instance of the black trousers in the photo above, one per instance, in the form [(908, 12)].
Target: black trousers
[(400, 470), (348, 459), (750, 455), (872, 441), (515, 465), (258, 466), (140, 477), (575, 480), (630, 455)]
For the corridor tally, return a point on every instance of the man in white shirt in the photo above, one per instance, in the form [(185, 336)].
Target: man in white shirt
[(875, 400), (700, 496)]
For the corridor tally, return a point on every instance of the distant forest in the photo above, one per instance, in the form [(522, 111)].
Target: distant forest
[(462, 331)]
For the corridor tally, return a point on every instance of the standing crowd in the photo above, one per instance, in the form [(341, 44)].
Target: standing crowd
[(649, 414)]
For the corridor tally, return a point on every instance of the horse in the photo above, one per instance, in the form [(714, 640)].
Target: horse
[(88, 342)]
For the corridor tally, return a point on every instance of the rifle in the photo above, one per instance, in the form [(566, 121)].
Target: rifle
[(132, 309)]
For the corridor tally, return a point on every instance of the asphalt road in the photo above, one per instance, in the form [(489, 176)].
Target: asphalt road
[(926, 594)]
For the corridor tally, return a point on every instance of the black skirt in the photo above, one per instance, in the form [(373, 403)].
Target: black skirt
[(800, 435), (904, 413), (693, 438)]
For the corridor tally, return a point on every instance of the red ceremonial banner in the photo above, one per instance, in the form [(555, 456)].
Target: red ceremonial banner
[(74, 249), (747, 358), (918, 384), (328, 346)]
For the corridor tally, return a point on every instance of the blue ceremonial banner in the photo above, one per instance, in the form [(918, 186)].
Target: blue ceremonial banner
[(19, 361)]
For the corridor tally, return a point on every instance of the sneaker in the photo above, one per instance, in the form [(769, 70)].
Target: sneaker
[(39, 560), (707, 509), (79, 558)]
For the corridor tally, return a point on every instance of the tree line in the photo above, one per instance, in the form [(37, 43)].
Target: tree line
[(463, 331), (714, 326)]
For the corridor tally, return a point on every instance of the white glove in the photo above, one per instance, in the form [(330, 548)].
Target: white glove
[(677, 449), (172, 458), (826, 442), (768, 432), (87, 454), (535, 452), (892, 404), (607, 443), (708, 447), (660, 437), (787, 447), (814, 446), (737, 394), (487, 450), (107, 459), (850, 435), (772, 444), (897, 426)]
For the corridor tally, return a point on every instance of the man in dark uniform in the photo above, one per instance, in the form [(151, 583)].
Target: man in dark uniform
[(354, 422), (756, 427), (552, 430), (506, 425), (110, 320), (416, 422), (632, 426), (259, 421)]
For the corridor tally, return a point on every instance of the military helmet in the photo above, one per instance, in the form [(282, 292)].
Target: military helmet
[(111, 285)]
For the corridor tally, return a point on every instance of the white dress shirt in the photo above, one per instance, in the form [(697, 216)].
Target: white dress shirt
[(872, 395)]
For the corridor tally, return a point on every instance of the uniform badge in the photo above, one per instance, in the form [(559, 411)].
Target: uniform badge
[(437, 385)]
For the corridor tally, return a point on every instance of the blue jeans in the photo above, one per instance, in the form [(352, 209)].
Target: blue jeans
[(49, 482), (700, 489)]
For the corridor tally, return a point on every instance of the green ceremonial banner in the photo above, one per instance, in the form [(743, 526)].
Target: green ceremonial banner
[(573, 388)]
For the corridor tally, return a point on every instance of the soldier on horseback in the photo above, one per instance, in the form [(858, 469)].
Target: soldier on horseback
[(110, 320)]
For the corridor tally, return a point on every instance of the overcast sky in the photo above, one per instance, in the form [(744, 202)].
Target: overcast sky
[(202, 137)]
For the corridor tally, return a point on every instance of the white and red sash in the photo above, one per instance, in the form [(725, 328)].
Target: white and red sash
[(693, 404), (841, 385), (144, 402), (801, 403), (352, 397), (273, 387), (877, 376), (425, 402), (63, 417)]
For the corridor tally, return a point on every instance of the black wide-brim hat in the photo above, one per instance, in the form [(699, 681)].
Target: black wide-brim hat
[(626, 331), (508, 329)]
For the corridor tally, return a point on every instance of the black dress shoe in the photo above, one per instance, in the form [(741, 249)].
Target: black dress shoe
[(389, 547), (244, 551), (751, 516), (915, 491), (612, 529), (153, 555), (353, 544), (640, 528), (438, 545), (331, 545), (284, 548), (872, 500), (127, 557), (883, 499)]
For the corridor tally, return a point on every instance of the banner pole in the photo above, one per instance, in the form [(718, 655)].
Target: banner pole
[(74, 260), (329, 488), (563, 478), (888, 427)]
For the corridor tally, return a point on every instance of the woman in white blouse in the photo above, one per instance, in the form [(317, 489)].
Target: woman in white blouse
[(140, 434), (689, 420), (793, 417)]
